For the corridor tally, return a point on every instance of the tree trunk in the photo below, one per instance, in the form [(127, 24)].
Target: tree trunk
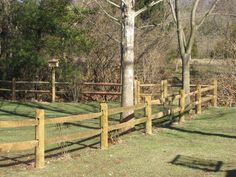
[(186, 76), (128, 59)]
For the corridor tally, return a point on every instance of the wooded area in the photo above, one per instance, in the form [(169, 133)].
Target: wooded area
[(95, 41)]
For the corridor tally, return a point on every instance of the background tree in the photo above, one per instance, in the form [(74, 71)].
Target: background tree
[(38, 31), (186, 41)]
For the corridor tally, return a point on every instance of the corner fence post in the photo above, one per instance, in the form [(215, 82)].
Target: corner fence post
[(215, 93), (182, 106), (148, 114), (199, 99), (39, 136), (104, 125), (13, 89)]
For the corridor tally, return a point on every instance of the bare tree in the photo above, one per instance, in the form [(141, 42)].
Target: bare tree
[(127, 22), (186, 42)]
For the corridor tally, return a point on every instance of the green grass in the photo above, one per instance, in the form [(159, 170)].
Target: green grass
[(204, 146)]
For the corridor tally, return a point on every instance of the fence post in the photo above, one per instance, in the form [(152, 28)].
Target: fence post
[(215, 93), (13, 89), (148, 114), (137, 92), (53, 86), (162, 90), (199, 99), (104, 125), (165, 89), (39, 136), (182, 106)]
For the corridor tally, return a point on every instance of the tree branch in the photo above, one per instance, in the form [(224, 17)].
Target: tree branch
[(93, 23), (180, 31), (193, 13), (193, 27), (224, 14), (208, 13), (114, 4), (175, 20), (108, 15), (172, 10), (153, 3), (111, 37)]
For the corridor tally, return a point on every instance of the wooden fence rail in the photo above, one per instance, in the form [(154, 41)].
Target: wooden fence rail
[(39, 142)]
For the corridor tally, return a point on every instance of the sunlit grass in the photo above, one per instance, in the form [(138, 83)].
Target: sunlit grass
[(203, 146)]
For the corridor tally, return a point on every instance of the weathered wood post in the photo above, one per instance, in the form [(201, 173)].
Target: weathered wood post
[(148, 114), (199, 99), (162, 90), (39, 136), (35, 88), (165, 89), (214, 101), (53, 64), (13, 89), (182, 106), (104, 125), (53, 87), (137, 92)]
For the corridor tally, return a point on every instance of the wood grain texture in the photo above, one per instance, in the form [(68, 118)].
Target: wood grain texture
[(40, 137), (104, 125), (17, 123), (74, 118), (148, 114), (17, 146)]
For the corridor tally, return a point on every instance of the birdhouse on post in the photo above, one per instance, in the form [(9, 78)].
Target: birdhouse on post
[(53, 64)]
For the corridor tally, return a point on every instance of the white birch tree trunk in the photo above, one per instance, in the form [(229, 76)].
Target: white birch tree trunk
[(128, 57), (128, 15)]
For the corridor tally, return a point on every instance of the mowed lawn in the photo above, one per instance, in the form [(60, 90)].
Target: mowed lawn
[(203, 146)]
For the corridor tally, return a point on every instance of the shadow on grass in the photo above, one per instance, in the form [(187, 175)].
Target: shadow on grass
[(85, 109), (28, 159), (63, 148), (56, 109), (197, 163), (202, 133), (231, 173), (17, 113)]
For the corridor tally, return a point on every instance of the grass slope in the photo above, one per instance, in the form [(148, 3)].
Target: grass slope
[(204, 146)]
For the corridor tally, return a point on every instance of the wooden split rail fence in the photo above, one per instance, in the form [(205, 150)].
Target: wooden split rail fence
[(13, 87), (162, 90), (39, 142)]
